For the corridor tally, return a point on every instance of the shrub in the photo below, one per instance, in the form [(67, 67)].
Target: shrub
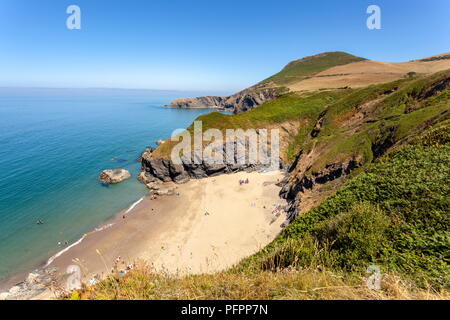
[(357, 235)]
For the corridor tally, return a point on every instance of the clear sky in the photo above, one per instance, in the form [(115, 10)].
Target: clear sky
[(202, 45)]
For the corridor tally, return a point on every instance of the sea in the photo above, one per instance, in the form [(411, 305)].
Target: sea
[(54, 144)]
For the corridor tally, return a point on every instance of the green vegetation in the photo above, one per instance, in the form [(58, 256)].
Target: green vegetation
[(397, 215), (286, 108), (300, 69), (289, 107), (395, 109), (444, 57), (306, 284), (392, 112)]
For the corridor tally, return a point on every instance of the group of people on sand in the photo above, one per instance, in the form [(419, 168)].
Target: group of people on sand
[(278, 209), (120, 271), (241, 182), (115, 269)]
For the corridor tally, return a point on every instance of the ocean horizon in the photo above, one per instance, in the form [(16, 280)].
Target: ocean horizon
[(53, 148)]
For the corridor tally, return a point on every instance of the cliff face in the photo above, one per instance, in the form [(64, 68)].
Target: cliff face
[(376, 122), (251, 98), (210, 102), (240, 102), (156, 168)]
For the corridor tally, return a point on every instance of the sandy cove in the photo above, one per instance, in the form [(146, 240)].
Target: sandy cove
[(211, 224)]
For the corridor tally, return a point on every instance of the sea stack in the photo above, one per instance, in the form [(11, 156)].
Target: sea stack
[(115, 176)]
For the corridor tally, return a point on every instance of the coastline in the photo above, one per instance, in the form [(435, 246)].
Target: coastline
[(21, 277), (171, 106), (198, 230)]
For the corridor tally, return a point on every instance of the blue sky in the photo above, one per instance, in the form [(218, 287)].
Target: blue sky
[(202, 45)]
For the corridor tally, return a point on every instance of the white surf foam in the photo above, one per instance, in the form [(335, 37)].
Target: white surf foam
[(65, 250), (60, 253), (104, 227), (135, 204), (50, 261)]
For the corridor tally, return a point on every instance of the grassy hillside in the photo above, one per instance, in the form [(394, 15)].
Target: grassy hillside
[(365, 122), (300, 69), (305, 284), (395, 215), (289, 107), (386, 112)]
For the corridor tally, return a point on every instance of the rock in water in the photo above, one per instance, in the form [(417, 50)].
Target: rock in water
[(115, 175)]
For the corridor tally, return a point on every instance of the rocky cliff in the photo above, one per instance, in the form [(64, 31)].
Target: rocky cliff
[(210, 102), (359, 129), (240, 102), (157, 168)]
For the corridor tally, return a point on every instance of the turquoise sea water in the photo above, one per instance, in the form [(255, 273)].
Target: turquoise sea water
[(52, 150)]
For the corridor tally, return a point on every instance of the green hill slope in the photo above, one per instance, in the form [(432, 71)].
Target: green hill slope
[(396, 215), (300, 69)]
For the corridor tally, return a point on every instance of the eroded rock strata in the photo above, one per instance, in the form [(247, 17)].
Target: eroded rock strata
[(164, 169)]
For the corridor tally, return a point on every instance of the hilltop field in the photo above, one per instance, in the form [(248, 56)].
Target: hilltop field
[(338, 70), (366, 153)]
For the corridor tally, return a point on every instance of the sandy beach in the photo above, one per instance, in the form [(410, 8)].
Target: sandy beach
[(208, 225)]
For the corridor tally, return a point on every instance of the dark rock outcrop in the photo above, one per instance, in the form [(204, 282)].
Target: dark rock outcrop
[(240, 102), (293, 187), (166, 170), (209, 102), (315, 132), (384, 141)]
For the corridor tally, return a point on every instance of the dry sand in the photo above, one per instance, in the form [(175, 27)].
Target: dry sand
[(211, 225)]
